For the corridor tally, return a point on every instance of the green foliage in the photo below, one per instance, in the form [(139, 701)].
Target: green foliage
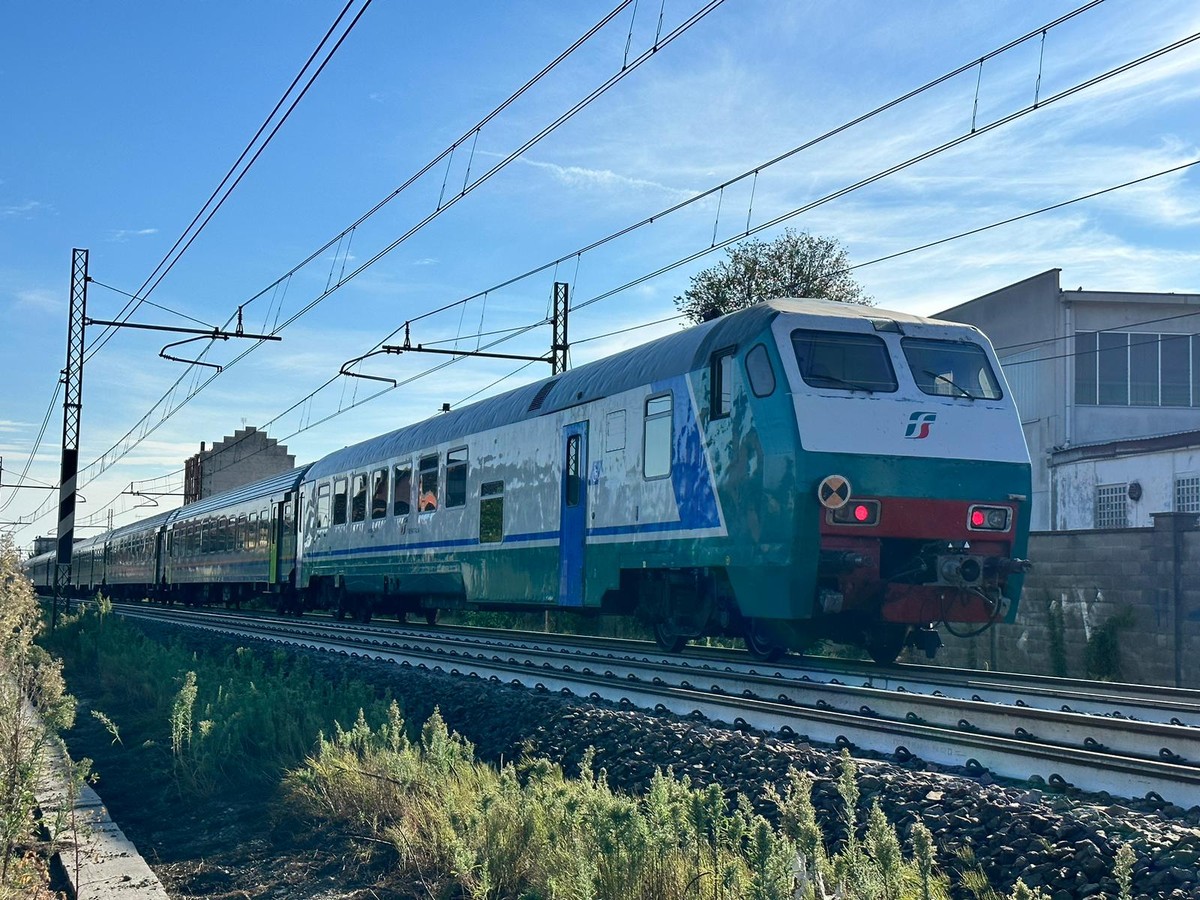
[(109, 725), (1102, 656), (795, 264), (527, 831), (1123, 871), (235, 715), (29, 679)]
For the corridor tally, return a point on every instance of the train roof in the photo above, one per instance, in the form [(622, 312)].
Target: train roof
[(140, 525), (647, 363), (263, 489)]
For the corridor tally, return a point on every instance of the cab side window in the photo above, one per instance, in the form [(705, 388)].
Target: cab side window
[(721, 383)]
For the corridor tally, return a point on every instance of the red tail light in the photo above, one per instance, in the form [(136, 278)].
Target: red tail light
[(856, 512), (989, 518)]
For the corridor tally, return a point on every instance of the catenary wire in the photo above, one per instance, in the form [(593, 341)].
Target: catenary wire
[(159, 272), (646, 55), (1009, 118)]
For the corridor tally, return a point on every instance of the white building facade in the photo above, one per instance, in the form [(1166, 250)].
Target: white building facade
[(1108, 387)]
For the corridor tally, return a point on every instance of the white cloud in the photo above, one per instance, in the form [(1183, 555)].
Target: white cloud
[(601, 179), (26, 209), (124, 234)]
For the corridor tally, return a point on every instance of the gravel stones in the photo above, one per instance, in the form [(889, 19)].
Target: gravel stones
[(1064, 845)]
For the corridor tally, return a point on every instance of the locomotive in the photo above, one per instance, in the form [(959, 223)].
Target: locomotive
[(796, 471)]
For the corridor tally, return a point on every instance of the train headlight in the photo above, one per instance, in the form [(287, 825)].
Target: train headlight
[(989, 518), (856, 512)]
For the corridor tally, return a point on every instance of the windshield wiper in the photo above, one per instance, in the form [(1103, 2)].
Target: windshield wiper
[(946, 378), (841, 382)]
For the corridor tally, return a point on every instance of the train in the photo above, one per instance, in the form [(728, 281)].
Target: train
[(797, 471)]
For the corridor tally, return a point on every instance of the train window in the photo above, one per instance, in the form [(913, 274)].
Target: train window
[(339, 501), (656, 439), (760, 372), (379, 494), (571, 470), (456, 477), (252, 532), (720, 381), (358, 509), (614, 431), (491, 512), (402, 490), (264, 529), (228, 527), (242, 542), (951, 369), (843, 361), (427, 485), (322, 505)]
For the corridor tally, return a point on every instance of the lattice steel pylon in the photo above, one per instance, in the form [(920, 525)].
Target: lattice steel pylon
[(72, 414), (559, 344)]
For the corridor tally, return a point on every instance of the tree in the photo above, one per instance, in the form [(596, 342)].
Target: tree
[(795, 264)]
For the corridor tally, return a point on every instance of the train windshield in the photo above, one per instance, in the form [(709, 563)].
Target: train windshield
[(951, 369), (843, 361)]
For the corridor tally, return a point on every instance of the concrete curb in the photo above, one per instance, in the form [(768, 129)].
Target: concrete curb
[(101, 863)]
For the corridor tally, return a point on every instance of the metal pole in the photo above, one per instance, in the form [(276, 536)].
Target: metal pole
[(72, 414)]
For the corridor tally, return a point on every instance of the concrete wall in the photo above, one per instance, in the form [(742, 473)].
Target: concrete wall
[(1075, 485), (1084, 579)]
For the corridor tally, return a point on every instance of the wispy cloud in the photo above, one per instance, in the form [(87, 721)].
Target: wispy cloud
[(26, 209), (601, 179), (40, 300), (124, 234)]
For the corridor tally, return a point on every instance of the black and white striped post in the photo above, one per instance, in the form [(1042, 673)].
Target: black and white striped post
[(72, 413)]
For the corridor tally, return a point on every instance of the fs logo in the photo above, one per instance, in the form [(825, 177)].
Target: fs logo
[(918, 425)]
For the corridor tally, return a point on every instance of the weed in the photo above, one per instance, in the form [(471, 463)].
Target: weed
[(29, 678)]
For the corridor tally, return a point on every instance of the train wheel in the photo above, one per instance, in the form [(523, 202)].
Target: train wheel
[(431, 616), (885, 640), (759, 643), (667, 639)]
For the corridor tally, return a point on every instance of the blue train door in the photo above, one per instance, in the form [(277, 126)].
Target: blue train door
[(574, 514)]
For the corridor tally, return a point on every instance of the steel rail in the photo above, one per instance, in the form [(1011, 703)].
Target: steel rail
[(1122, 761)]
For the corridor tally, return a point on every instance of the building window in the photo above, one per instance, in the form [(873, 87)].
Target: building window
[(656, 440), (1133, 368), (1187, 493), (1112, 506), (456, 477)]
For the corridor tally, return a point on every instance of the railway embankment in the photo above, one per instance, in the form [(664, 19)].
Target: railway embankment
[(1064, 844)]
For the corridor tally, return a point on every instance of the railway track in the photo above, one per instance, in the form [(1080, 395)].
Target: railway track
[(1124, 740)]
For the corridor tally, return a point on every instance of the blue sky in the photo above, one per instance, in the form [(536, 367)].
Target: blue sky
[(121, 119)]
